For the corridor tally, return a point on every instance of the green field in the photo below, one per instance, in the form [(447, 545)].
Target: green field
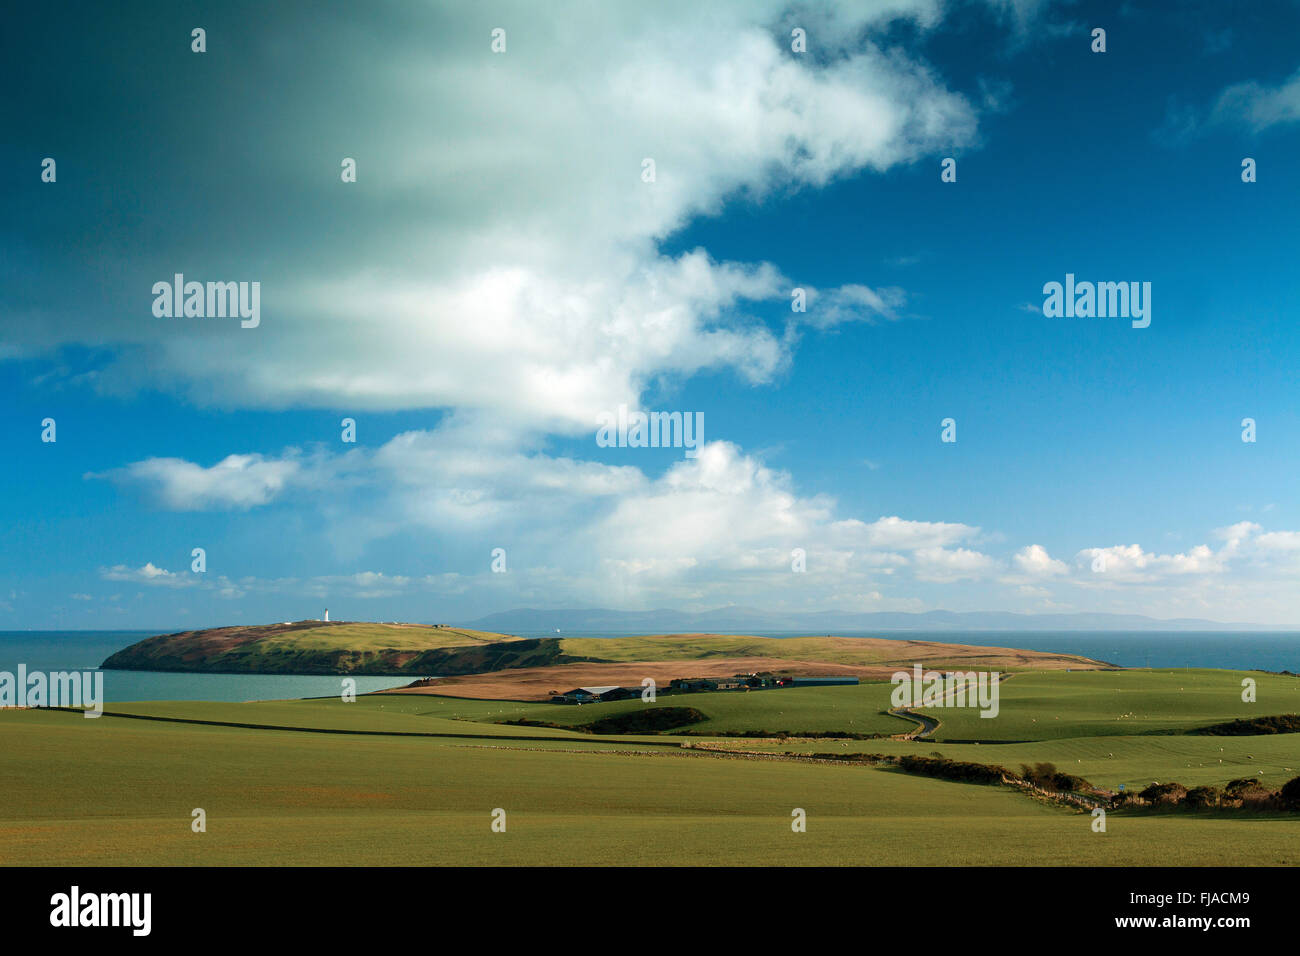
[(116, 791), (852, 710), (120, 790), (370, 636), (1051, 704), (1107, 762)]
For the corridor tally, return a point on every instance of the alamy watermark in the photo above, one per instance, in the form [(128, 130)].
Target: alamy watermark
[(624, 429), (1102, 300), (211, 300), (75, 908), (53, 689), (947, 689)]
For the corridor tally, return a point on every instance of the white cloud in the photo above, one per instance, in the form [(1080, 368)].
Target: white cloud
[(853, 303), (1234, 535), (722, 524), (517, 277), (517, 269), (1036, 562), (359, 585), (1279, 542), (717, 529), (1248, 554), (1259, 106), (1252, 104), (898, 534), (148, 574), (1132, 563), (237, 481), (956, 564)]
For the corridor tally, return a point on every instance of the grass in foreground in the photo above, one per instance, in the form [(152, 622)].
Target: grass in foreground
[(117, 791)]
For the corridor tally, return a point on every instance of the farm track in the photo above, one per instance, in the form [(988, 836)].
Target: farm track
[(928, 725)]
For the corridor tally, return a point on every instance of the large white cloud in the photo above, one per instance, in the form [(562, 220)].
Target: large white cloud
[(515, 273), (502, 251)]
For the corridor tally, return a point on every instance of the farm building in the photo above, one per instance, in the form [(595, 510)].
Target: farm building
[(588, 695), (818, 681), (694, 684), (697, 685), (688, 685)]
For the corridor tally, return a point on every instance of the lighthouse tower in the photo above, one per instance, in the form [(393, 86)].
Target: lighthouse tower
[(327, 614)]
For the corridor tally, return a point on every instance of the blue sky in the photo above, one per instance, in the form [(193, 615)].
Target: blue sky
[(500, 275)]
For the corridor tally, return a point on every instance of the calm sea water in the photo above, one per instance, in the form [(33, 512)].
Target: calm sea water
[(80, 650)]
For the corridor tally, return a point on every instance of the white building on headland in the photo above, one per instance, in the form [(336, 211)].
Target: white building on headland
[(327, 614)]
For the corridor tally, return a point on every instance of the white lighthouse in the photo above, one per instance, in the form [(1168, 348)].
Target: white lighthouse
[(327, 614)]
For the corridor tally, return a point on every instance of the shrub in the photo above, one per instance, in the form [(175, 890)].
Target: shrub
[(1199, 798), (953, 769), (1249, 727), (1169, 794), (785, 734), (1290, 794), (1260, 798), (650, 720), (1046, 776), (1241, 784)]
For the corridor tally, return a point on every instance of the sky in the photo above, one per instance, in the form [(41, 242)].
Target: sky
[(504, 273)]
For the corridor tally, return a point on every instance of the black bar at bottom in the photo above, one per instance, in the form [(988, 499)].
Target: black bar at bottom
[(542, 908)]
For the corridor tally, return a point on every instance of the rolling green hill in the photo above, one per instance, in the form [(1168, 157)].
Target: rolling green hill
[(856, 710), (347, 782), (1045, 705)]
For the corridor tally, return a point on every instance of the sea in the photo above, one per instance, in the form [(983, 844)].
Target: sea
[(1229, 650), (84, 650)]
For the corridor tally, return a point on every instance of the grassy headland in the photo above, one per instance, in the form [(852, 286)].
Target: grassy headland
[(319, 647)]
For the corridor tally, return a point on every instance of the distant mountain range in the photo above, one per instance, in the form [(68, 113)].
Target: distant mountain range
[(743, 620)]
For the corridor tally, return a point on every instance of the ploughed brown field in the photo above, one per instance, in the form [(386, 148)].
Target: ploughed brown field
[(539, 683)]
